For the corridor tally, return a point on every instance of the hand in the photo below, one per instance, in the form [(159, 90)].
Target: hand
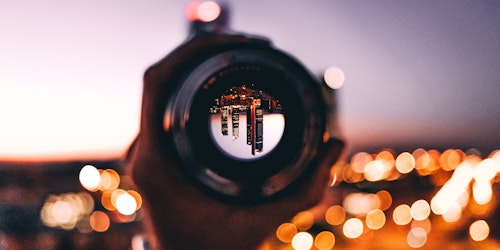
[(179, 215)]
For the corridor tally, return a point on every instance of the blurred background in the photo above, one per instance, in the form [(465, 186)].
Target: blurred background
[(418, 103)]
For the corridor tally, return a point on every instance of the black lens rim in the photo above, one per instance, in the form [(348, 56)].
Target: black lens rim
[(304, 124)]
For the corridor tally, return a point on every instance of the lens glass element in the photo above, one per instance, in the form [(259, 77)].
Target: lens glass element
[(246, 123)]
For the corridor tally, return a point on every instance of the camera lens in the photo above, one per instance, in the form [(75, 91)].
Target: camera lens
[(246, 122)]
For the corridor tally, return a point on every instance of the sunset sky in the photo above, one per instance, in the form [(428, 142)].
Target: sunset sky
[(418, 74)]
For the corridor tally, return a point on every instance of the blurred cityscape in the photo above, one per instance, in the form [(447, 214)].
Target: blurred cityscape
[(425, 199), (68, 205)]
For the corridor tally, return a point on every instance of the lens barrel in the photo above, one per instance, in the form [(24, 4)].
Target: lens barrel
[(246, 120)]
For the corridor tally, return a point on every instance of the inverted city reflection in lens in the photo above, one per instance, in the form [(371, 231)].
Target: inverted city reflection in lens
[(243, 111)]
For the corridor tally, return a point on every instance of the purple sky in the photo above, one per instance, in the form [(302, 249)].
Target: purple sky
[(418, 74)]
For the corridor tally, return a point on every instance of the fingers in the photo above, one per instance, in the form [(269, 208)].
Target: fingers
[(312, 190)]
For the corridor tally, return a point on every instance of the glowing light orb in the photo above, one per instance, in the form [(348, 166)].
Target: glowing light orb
[(479, 230), (420, 210), (286, 232), (335, 215), (405, 163), (126, 204), (417, 237), (208, 11), (375, 219), (334, 77), (303, 220), (99, 221), (90, 177), (324, 240), (402, 215), (353, 228), (302, 241)]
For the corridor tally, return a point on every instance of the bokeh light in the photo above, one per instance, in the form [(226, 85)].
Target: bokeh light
[(137, 197), (286, 232), (99, 221), (126, 204), (353, 228), (420, 210), (208, 11), (302, 241), (114, 197), (202, 11), (90, 177), (66, 210), (453, 189), (423, 160), (424, 224), (450, 159), (191, 10), (359, 161), (385, 199), (324, 240), (335, 215), (453, 213), (405, 163), (375, 219), (109, 180), (479, 230), (63, 213), (417, 237), (360, 203), (303, 220), (482, 192), (459, 181), (495, 155), (376, 170), (402, 215), (334, 77)]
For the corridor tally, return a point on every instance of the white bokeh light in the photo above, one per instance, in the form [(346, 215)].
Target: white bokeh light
[(334, 77), (126, 204), (90, 177)]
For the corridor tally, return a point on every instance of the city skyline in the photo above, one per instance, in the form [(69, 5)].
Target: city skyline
[(254, 103)]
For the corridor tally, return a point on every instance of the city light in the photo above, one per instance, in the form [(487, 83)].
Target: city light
[(324, 240), (420, 210), (71, 211), (208, 11), (303, 220), (90, 177), (360, 203), (375, 219), (99, 221), (461, 192), (424, 224), (385, 199), (334, 77), (405, 163), (67, 210), (202, 11), (353, 228), (302, 241), (479, 230), (402, 215), (417, 237), (286, 232), (335, 215), (126, 204)]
